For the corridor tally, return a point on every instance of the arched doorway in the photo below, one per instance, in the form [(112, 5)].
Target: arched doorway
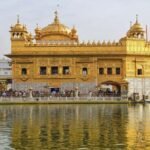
[(109, 88)]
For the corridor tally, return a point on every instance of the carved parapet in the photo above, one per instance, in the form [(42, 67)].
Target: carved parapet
[(104, 43), (113, 43), (72, 43), (99, 43), (52, 43), (83, 44), (93, 43), (88, 43), (109, 43)]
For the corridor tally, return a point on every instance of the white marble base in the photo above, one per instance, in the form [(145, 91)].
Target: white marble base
[(139, 85)]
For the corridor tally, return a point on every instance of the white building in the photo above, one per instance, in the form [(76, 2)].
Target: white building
[(5, 74)]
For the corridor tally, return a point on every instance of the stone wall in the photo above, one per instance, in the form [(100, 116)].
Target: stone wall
[(28, 85), (84, 88)]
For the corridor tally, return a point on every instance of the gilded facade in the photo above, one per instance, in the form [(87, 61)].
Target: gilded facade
[(55, 57)]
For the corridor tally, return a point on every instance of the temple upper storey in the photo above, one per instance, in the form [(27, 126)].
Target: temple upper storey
[(58, 34)]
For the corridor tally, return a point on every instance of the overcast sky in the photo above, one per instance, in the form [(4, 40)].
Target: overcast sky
[(94, 19)]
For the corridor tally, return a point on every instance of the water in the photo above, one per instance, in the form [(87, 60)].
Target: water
[(75, 127)]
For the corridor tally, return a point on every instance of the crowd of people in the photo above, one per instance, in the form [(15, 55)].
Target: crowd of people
[(11, 93), (64, 93), (108, 92)]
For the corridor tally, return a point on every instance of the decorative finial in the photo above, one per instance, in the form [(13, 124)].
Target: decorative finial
[(56, 13), (73, 26), (18, 19), (58, 6), (56, 20), (137, 18), (74, 29), (130, 24), (146, 31), (37, 29)]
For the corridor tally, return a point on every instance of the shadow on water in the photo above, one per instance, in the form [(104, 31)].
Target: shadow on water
[(65, 127)]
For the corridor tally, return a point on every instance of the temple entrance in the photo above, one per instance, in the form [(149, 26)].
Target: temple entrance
[(109, 88), (54, 90)]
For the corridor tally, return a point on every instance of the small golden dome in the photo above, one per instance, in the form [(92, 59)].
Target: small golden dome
[(55, 27), (136, 26), (37, 29), (30, 35), (59, 28), (18, 26), (136, 30), (73, 30)]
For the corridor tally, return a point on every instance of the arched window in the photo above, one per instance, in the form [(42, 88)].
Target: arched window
[(66, 70), (139, 71), (101, 71), (15, 35), (43, 70), (18, 36), (118, 71), (109, 71), (24, 71), (84, 71), (54, 70)]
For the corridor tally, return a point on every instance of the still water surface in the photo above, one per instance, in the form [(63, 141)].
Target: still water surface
[(75, 127)]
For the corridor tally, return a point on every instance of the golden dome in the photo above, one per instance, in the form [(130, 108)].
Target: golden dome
[(37, 29), (55, 27), (18, 26), (58, 28), (136, 30), (73, 30)]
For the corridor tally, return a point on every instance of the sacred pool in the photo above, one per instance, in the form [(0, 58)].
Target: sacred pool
[(75, 127)]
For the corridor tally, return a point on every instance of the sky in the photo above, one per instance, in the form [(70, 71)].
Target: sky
[(94, 19)]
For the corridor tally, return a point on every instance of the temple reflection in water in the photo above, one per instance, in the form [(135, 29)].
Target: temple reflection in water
[(68, 126), (76, 126)]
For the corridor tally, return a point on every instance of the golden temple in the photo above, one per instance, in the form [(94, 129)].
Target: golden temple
[(55, 57)]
